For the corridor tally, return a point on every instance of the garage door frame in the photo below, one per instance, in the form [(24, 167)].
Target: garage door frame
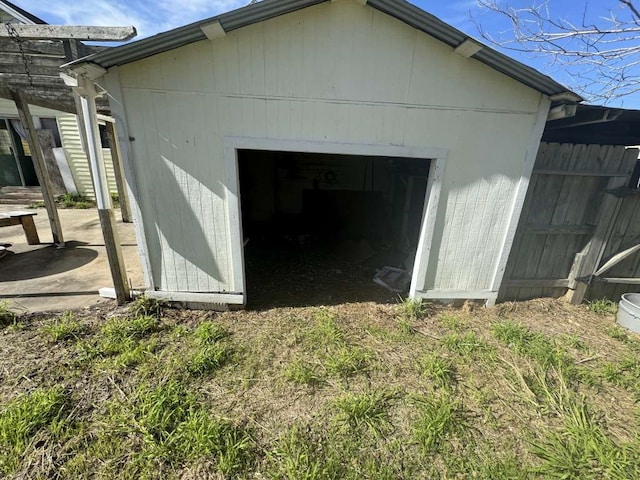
[(232, 144)]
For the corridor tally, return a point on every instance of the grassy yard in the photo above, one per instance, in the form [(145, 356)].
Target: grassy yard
[(538, 389)]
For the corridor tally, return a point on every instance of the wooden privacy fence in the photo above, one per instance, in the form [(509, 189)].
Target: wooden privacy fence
[(578, 216)]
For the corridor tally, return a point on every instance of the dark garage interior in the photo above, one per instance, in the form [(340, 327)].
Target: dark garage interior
[(317, 227)]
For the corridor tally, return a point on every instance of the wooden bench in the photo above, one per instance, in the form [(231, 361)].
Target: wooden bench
[(25, 219)]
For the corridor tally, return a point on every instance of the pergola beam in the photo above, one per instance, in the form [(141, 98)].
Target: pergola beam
[(74, 32)]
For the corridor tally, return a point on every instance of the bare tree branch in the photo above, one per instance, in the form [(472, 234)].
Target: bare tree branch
[(601, 54)]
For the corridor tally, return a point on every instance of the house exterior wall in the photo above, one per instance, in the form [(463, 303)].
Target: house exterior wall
[(78, 162), (337, 72), (71, 143)]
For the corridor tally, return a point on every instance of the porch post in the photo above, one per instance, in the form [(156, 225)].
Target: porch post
[(87, 93)]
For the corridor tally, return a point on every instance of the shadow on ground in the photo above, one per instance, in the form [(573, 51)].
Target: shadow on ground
[(45, 261)]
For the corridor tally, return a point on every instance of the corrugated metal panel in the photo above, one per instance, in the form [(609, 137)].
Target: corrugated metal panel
[(68, 126), (181, 36), (453, 37), (267, 9)]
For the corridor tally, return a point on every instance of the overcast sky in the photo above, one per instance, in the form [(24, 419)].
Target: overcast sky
[(154, 16)]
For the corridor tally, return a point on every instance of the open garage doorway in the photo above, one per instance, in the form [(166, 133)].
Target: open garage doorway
[(318, 227)]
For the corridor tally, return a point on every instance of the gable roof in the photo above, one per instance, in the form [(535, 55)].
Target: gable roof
[(20, 14), (267, 9)]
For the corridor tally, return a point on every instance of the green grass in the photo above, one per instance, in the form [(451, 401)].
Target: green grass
[(440, 370), (66, 327), (208, 333), (75, 200), (325, 332), (412, 308), (302, 373), (299, 455), (624, 372), (439, 418), (7, 317), (582, 449), (466, 344), (208, 359), (211, 351), (346, 362), (533, 345), (452, 322), (603, 306), (144, 306), (369, 410), (123, 340), (618, 333), (22, 418), (318, 393), (174, 426)]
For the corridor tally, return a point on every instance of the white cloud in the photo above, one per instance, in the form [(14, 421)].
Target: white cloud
[(148, 16)]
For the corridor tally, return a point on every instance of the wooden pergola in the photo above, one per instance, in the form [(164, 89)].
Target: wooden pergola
[(30, 60)]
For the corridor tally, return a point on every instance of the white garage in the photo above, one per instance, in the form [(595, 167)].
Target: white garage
[(324, 124)]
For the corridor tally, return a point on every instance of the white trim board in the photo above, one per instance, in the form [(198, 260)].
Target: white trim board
[(189, 297), (437, 157), (16, 14), (488, 295)]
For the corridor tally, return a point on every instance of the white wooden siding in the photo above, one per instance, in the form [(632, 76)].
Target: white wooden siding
[(72, 144), (338, 72)]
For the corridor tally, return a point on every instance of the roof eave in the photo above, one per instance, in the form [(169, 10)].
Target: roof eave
[(267, 9)]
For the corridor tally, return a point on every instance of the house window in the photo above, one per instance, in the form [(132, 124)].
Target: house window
[(104, 139)]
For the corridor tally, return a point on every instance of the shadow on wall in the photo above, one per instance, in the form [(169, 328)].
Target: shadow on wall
[(177, 223)]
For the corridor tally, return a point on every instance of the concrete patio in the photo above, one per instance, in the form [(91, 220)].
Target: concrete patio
[(38, 278)]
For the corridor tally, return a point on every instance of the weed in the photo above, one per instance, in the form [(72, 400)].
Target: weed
[(574, 341), (22, 418), (176, 428), (208, 333), (115, 199), (453, 322), (465, 344), (296, 455), (203, 435), (439, 418), (120, 328), (618, 333), (369, 409), (533, 345), (65, 327), (405, 327), (39, 204), (346, 362), (412, 308), (513, 334), (7, 317), (581, 449), (208, 359), (603, 306), (325, 332), (439, 369), (144, 306), (625, 372), (75, 200), (134, 353), (122, 337), (302, 373)]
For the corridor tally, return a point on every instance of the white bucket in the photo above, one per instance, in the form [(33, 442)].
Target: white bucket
[(629, 312)]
